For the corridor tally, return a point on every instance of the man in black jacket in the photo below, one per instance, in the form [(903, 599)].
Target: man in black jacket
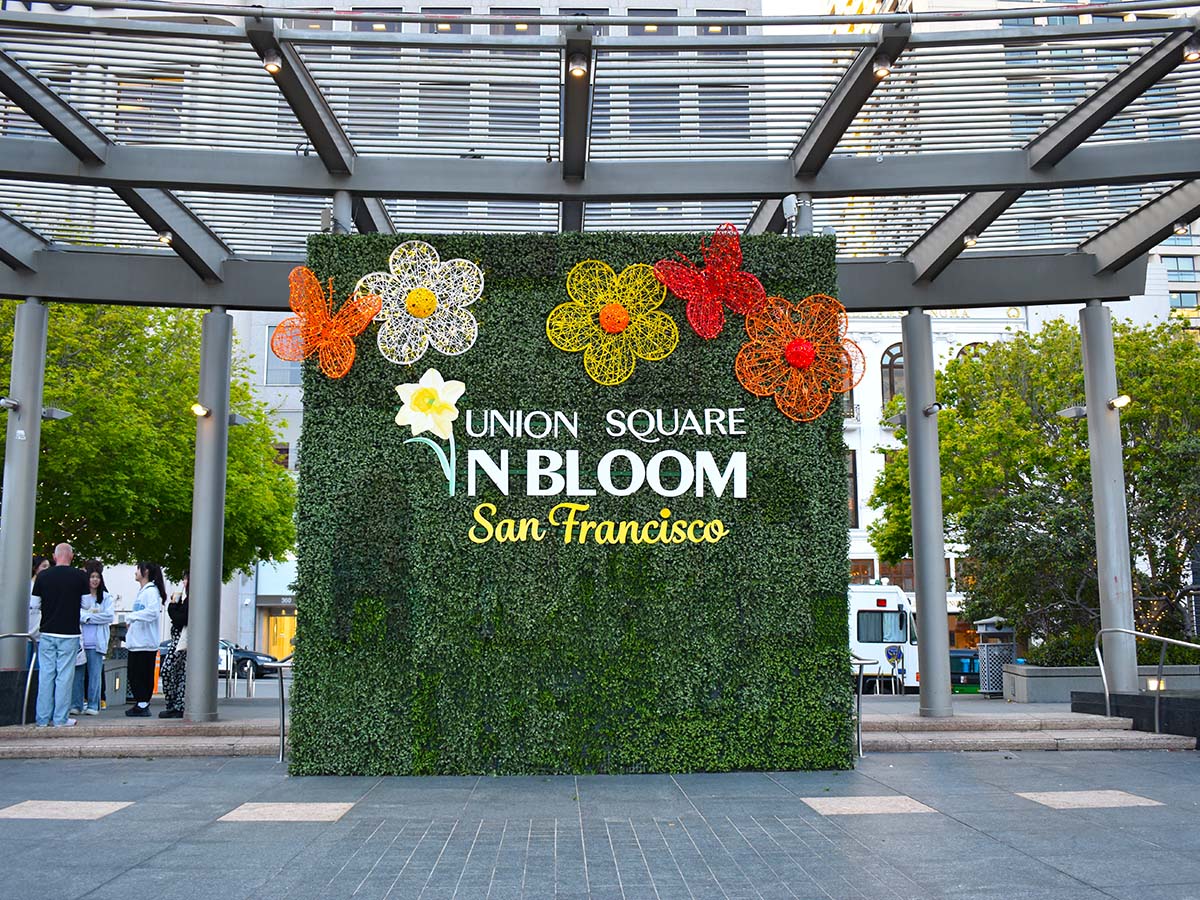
[(58, 590)]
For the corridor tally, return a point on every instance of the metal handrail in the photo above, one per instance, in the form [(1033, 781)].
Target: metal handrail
[(280, 665), (1162, 659), (28, 675), (860, 661)]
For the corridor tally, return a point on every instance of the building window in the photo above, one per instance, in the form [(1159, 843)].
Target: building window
[(149, 107), (715, 30), (849, 410), (1184, 299), (852, 478), (447, 27), (725, 112), (971, 350), (393, 27), (862, 571), (899, 574), (660, 29), (283, 455), (280, 371), (654, 110), (1180, 268), (515, 29), (893, 372)]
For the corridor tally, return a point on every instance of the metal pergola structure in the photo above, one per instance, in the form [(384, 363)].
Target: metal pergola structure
[(963, 159)]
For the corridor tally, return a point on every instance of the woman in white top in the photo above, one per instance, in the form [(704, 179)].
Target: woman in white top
[(95, 615), (143, 635)]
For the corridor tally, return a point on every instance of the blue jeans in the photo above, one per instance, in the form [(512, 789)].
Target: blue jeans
[(56, 656), (95, 672)]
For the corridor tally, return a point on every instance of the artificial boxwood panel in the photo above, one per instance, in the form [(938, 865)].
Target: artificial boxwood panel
[(419, 651)]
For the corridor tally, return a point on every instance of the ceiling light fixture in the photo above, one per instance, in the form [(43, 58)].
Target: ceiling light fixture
[(882, 67), (577, 65), (715, 29), (970, 240), (165, 237), (272, 61), (521, 26), (651, 29), (443, 26), (1180, 228), (1191, 50)]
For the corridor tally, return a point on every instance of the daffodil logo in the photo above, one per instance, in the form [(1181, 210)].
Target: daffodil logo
[(428, 405)]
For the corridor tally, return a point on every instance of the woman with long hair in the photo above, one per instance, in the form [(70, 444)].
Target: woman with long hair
[(40, 564), (143, 635), (95, 615), (174, 667)]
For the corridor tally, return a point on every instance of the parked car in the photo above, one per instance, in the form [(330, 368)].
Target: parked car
[(242, 658)]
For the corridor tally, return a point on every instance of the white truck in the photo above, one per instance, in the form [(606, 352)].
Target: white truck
[(883, 628)]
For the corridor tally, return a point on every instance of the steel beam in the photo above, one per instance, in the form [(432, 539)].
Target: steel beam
[(942, 242), (196, 245), (570, 216), (371, 216), (304, 96), (576, 102), (766, 218), (100, 275), (18, 508), (845, 102), (248, 172), (1108, 496), (1144, 228), (64, 123), (18, 243), (1051, 146), (208, 517), (928, 524)]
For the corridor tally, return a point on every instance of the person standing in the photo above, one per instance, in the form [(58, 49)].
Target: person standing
[(56, 593), (174, 667), (95, 615), (143, 635), (40, 564)]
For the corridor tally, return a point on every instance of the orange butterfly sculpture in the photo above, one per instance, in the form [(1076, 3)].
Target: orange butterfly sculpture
[(317, 329)]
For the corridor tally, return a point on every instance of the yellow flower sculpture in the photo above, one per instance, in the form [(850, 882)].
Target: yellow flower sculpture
[(614, 319)]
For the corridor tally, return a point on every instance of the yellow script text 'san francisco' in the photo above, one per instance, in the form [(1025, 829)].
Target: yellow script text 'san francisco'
[(567, 517)]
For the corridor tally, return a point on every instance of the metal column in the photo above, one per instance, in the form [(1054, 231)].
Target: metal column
[(19, 508), (1108, 495), (928, 530), (343, 212), (804, 215), (208, 517)]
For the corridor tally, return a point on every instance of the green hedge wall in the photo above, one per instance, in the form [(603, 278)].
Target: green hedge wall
[(421, 652)]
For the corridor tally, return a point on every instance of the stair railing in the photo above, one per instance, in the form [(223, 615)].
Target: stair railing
[(1162, 658), (279, 666)]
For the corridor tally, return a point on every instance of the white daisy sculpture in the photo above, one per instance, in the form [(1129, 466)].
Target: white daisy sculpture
[(425, 302), (428, 405)]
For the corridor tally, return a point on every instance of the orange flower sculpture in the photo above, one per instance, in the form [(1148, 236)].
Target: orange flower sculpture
[(799, 353), (317, 329)]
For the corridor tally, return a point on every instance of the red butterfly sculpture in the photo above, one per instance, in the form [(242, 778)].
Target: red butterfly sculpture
[(317, 329), (719, 284)]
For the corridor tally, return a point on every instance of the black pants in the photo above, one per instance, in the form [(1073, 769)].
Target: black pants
[(141, 674)]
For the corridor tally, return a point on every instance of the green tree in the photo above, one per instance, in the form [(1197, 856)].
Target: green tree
[(1016, 482), (115, 479)]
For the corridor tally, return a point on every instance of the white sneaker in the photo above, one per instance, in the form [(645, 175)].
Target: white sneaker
[(89, 711), (67, 724), (73, 711)]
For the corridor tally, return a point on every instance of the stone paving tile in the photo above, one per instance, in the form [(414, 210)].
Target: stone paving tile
[(83, 810), (287, 812), (1086, 799)]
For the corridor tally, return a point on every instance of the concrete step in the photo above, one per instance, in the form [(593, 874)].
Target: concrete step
[(143, 745), (1065, 721), (1032, 739), (139, 728)]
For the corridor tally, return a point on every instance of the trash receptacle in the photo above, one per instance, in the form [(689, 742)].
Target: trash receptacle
[(997, 648)]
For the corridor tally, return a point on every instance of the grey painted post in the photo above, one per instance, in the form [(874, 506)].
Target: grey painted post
[(804, 215), (17, 514), (1108, 495), (925, 488), (343, 212), (208, 517)]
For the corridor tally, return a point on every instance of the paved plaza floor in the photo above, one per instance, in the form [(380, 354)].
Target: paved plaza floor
[(1008, 826)]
